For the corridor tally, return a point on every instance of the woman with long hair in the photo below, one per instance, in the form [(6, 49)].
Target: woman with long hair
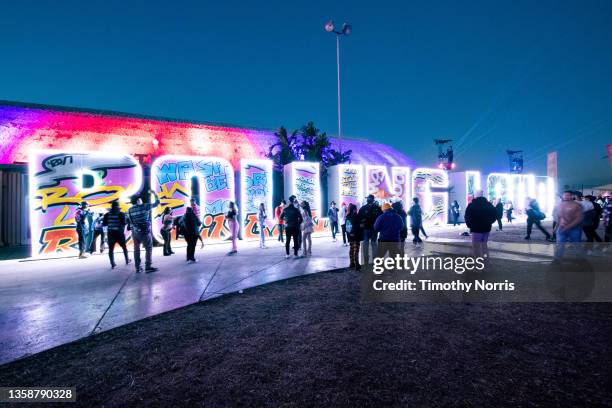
[(231, 216), (166, 230), (354, 235), (261, 221), (191, 226), (307, 228)]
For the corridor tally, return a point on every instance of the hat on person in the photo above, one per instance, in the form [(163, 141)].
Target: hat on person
[(386, 206)]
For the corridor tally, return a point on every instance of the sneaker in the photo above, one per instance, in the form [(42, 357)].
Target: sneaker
[(528, 237), (113, 266), (151, 269), (82, 256), (138, 270), (287, 256), (129, 261)]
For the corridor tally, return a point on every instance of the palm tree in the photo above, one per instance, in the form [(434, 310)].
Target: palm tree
[(286, 150)]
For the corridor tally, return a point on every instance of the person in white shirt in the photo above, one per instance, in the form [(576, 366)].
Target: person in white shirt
[(342, 222)]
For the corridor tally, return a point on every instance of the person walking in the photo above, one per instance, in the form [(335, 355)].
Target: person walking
[(280, 223), (368, 214), (231, 217), (607, 219), (455, 212), (499, 211), (293, 220), (569, 217), (83, 219), (98, 231), (535, 216), (398, 207), (416, 221), (261, 224), (166, 230), (115, 222), (307, 229), (591, 220), (479, 215), (332, 215), (389, 226), (342, 221), (139, 221), (354, 236), (191, 228), (509, 210)]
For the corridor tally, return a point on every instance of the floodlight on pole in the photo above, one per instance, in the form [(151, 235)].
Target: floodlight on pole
[(346, 30)]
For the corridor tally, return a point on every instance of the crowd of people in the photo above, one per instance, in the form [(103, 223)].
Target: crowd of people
[(378, 229)]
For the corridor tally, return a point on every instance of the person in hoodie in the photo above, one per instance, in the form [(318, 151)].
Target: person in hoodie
[(368, 214), (499, 208), (479, 215), (191, 225), (353, 232), (399, 209), (416, 221), (293, 220), (389, 226)]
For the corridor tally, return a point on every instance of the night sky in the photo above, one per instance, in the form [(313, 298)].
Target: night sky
[(530, 75)]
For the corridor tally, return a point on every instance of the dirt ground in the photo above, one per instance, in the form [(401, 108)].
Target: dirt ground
[(311, 341)]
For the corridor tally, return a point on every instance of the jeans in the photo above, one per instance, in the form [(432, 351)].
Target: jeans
[(292, 232), (147, 242), (415, 232), (281, 228), (192, 240), (369, 237), (116, 237), (479, 244), (262, 234), (531, 222), (81, 237), (92, 247), (563, 236), (233, 227), (334, 229), (343, 227), (167, 236)]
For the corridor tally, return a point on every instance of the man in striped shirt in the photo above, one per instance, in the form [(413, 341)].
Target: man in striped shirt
[(114, 221), (139, 221)]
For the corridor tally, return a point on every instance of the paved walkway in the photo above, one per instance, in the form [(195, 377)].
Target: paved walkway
[(45, 303)]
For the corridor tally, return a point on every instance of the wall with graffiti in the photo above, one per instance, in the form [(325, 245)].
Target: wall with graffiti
[(256, 188), (430, 185), (346, 184), (60, 181), (173, 178)]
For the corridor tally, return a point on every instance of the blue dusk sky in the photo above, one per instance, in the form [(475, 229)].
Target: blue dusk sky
[(492, 75)]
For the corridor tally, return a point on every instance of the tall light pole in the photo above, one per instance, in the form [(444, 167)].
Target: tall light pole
[(346, 30)]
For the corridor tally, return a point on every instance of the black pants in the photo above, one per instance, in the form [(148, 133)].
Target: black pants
[(455, 220), (81, 237), (423, 230), (384, 247), (608, 233), (97, 233), (116, 237), (281, 232), (415, 232), (354, 252), (499, 223), (591, 234), (292, 232), (192, 240), (531, 222), (509, 216), (167, 236), (343, 227)]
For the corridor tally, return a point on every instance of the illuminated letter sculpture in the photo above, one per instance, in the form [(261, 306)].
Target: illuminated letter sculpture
[(426, 184), (256, 188), (345, 184), (172, 178), (61, 180)]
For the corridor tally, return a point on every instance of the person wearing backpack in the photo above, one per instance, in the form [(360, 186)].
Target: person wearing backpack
[(480, 214), (367, 217), (115, 222), (534, 217), (192, 229), (293, 220), (354, 236)]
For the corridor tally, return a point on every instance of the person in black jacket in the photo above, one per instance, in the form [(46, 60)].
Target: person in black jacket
[(479, 215), (293, 220), (367, 217), (354, 235), (499, 209), (398, 206), (114, 221), (191, 228)]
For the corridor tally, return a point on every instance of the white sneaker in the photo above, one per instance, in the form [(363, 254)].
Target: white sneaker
[(287, 256)]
